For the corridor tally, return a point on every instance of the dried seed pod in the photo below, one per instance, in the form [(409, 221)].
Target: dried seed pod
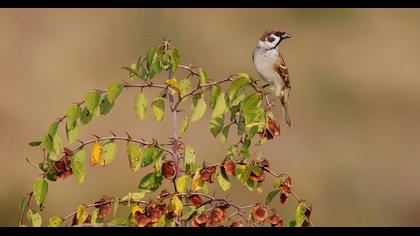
[(237, 223), (275, 220), (217, 215), (229, 167), (207, 173), (142, 220), (168, 169), (195, 200), (200, 220), (259, 212)]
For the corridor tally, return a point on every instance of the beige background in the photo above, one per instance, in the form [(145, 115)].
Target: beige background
[(353, 151)]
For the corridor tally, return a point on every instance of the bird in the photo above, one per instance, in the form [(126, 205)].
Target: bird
[(271, 67)]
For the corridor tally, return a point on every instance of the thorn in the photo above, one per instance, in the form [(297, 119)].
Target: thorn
[(80, 141), (96, 136), (112, 133), (127, 134)]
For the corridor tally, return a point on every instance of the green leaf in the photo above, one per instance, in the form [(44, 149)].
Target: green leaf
[(173, 84), (246, 174), (216, 125), (256, 169), (198, 108), (92, 100), (72, 134), (158, 108), (150, 182), (80, 155), (185, 86), (73, 113), (48, 143), (114, 91), (35, 218), (184, 125), (291, 223), (191, 211), (223, 180), (182, 183), (214, 94), (221, 106), (86, 116), (237, 100), (40, 190), (79, 171), (271, 195), (278, 181), (189, 155), (240, 81), (21, 205), (94, 218), (81, 214), (150, 155), (140, 105), (35, 143), (250, 184), (78, 167), (56, 148), (300, 215), (118, 221), (204, 78), (259, 187), (175, 59), (134, 154), (55, 221), (225, 133), (105, 106), (52, 129), (109, 152), (251, 102), (115, 204), (150, 56)]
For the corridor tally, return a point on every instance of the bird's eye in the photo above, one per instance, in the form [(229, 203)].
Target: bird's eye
[(271, 39)]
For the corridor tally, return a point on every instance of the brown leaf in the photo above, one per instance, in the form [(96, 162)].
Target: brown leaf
[(207, 173), (259, 213), (237, 223), (168, 169), (285, 189), (217, 215), (142, 220), (259, 178), (272, 129), (62, 167), (195, 200), (275, 220), (105, 207), (200, 220), (229, 167)]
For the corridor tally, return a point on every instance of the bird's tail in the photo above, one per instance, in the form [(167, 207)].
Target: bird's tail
[(286, 110)]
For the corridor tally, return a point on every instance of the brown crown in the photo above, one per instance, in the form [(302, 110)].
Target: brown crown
[(270, 31)]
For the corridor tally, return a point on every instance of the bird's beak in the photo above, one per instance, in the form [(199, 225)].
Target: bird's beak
[(285, 36)]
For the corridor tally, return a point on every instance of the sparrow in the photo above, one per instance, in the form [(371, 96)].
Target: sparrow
[(271, 67)]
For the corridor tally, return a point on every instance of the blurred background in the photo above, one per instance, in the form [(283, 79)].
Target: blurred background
[(353, 151)]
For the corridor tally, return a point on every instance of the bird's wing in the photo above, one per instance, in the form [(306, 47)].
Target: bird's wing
[(281, 68)]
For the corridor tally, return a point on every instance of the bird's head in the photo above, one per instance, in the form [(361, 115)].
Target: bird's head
[(272, 37)]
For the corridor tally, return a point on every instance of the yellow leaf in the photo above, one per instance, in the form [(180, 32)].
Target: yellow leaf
[(175, 205), (172, 83), (135, 209), (82, 214), (96, 154), (196, 183)]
